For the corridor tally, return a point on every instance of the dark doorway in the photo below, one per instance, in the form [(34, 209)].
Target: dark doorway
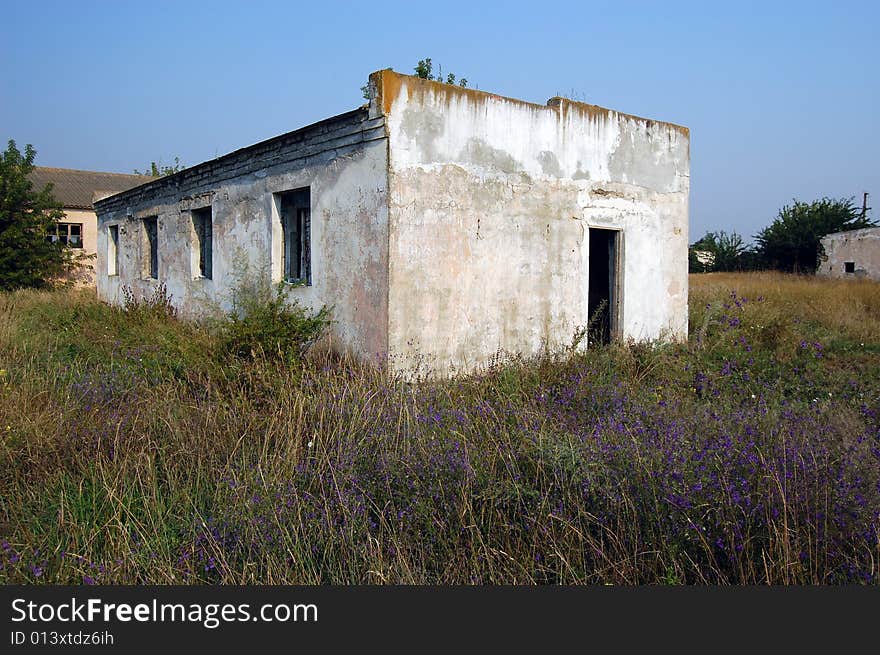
[(602, 294)]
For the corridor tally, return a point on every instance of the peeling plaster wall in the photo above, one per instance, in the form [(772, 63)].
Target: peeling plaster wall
[(490, 203), (447, 224), (343, 162), (861, 247)]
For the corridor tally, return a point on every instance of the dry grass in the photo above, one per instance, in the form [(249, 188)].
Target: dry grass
[(134, 450), (847, 308)]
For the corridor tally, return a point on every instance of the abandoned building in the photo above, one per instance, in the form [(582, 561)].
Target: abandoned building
[(76, 191), (851, 254), (442, 225)]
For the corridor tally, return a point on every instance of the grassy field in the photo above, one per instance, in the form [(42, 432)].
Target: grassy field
[(134, 449)]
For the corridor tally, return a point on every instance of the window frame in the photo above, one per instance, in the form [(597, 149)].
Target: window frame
[(295, 217), (113, 250), (203, 243), (150, 248), (56, 236)]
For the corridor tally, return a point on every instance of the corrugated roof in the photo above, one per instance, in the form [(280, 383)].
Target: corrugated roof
[(79, 189)]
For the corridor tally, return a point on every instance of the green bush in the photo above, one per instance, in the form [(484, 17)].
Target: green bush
[(265, 322)]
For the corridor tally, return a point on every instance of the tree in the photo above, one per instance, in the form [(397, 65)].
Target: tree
[(160, 170), (791, 242), (718, 251), (28, 258)]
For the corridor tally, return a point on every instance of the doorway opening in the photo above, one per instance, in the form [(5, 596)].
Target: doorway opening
[(602, 295)]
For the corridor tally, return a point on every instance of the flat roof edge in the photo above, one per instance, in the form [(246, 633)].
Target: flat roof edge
[(191, 171), (388, 83)]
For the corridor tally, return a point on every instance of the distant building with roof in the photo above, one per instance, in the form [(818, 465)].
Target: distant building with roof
[(76, 191)]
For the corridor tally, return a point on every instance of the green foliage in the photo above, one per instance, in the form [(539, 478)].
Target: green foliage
[(425, 70), (27, 257), (161, 170), (265, 322), (726, 252), (792, 241)]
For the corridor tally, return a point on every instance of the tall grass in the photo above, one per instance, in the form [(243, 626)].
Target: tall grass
[(135, 449)]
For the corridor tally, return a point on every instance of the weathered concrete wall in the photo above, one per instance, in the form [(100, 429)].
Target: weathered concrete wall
[(344, 163), (447, 224), (861, 247), (490, 204)]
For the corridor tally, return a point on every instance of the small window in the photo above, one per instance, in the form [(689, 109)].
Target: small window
[(849, 267), (113, 250), (202, 223), (150, 246), (296, 228), (68, 234)]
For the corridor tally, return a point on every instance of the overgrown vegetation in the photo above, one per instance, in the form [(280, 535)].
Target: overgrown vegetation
[(136, 450), (425, 70), (720, 252), (791, 243), (265, 322), (161, 170)]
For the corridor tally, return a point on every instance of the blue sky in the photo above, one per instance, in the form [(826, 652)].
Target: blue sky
[(781, 98)]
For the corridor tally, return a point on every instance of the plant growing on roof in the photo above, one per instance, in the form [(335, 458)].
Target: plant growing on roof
[(161, 170), (425, 70)]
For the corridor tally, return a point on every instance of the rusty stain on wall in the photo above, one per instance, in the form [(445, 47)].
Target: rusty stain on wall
[(446, 223)]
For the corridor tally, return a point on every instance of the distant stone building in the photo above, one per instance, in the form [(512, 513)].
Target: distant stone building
[(76, 191), (441, 224), (706, 257), (851, 254)]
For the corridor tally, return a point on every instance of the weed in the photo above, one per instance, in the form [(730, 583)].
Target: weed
[(133, 451)]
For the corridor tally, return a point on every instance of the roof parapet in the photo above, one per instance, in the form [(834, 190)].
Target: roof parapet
[(385, 86)]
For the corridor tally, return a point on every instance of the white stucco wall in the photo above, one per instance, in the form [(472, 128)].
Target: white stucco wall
[(348, 243), (490, 203), (447, 224)]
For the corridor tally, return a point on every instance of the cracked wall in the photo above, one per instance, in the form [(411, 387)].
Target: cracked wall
[(859, 248), (490, 204), (447, 224), (343, 161)]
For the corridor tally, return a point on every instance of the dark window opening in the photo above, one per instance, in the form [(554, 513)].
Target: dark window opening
[(202, 222), (296, 231), (113, 250), (151, 247), (602, 292), (849, 267), (67, 234)]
